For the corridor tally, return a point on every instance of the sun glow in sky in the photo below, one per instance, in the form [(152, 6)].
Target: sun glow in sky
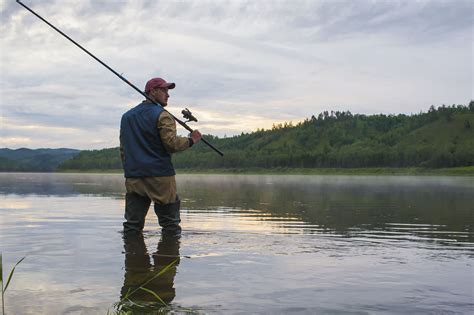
[(238, 65)]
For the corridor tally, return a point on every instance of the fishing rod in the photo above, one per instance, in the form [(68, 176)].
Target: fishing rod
[(187, 114)]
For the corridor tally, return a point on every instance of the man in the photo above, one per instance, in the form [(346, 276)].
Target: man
[(147, 140)]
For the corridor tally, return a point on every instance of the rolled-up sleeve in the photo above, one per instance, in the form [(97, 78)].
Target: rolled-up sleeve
[(167, 129)]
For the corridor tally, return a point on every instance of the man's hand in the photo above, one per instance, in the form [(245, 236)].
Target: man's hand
[(196, 136)]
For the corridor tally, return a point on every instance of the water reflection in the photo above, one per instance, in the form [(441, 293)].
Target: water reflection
[(433, 208), (142, 269)]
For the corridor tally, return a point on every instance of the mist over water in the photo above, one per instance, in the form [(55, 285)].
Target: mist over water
[(250, 244)]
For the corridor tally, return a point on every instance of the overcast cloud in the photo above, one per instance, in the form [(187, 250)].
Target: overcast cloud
[(238, 65)]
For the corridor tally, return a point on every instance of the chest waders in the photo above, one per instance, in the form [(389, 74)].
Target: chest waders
[(136, 209)]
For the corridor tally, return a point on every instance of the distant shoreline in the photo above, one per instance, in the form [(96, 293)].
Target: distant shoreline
[(454, 171)]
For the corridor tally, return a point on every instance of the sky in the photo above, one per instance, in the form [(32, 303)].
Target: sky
[(238, 65)]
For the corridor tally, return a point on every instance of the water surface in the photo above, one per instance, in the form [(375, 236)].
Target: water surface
[(250, 244)]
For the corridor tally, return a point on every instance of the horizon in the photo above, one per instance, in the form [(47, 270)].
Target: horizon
[(238, 66)]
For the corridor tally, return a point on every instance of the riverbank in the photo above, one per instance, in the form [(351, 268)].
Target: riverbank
[(454, 171)]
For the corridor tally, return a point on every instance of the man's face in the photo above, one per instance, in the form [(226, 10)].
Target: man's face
[(160, 95)]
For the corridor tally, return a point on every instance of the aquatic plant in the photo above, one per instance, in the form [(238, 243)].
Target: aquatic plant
[(10, 275), (124, 306)]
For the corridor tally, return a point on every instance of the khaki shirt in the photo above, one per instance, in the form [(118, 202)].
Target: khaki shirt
[(167, 128)]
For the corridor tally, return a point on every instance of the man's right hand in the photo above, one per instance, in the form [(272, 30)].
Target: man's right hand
[(196, 136)]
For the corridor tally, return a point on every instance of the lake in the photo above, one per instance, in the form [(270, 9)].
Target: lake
[(250, 244)]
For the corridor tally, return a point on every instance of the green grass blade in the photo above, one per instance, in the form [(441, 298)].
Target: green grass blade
[(1, 284), (11, 274), (136, 304), (127, 294), (162, 271), (130, 292), (155, 295), (126, 309), (1, 271)]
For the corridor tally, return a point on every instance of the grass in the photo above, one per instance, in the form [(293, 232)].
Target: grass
[(126, 304), (10, 275)]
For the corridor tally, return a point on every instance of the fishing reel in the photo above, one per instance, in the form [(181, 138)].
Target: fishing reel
[(188, 115)]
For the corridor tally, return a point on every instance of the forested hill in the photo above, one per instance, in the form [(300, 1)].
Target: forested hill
[(38, 160), (441, 137)]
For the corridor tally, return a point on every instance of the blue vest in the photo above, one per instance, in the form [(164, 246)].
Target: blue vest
[(145, 154)]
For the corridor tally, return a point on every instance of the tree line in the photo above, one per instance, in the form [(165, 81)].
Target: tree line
[(440, 137)]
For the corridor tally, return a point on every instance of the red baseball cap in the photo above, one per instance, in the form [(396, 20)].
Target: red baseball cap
[(158, 82)]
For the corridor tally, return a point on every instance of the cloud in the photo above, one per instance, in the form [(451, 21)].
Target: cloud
[(238, 65), (405, 20)]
